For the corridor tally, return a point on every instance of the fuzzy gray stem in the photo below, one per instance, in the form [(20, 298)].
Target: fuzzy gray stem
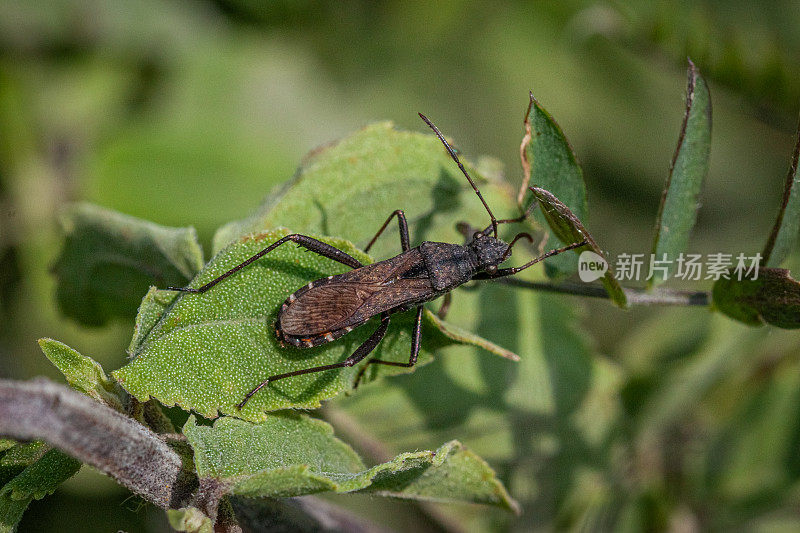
[(96, 435), (634, 296)]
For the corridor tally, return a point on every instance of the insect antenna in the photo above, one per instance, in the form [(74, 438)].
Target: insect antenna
[(514, 240), (463, 170)]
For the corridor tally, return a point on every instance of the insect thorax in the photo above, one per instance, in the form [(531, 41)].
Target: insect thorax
[(449, 265), (488, 250)]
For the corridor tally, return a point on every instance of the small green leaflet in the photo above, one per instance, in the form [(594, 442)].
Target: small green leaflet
[(550, 163), (569, 229), (83, 373), (679, 203), (783, 238)]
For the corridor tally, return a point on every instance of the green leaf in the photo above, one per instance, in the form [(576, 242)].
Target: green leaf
[(15, 459), (346, 189), (83, 373), (11, 512), (773, 298), (783, 237), (678, 210), (569, 229), (549, 161), (290, 455), (208, 350), (109, 259), (190, 519), (462, 392), (24, 454), (42, 477), (350, 187), (565, 400), (34, 482)]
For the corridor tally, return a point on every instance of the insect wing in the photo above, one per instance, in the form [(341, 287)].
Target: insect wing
[(401, 293), (325, 308), (350, 299)]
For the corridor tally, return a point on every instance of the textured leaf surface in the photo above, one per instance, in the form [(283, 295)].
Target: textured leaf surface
[(16, 458), (783, 238), (83, 373), (679, 203), (569, 229), (36, 481), (290, 455), (773, 298), (550, 163), (206, 351), (109, 259)]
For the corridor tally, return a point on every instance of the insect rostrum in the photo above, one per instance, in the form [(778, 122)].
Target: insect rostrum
[(325, 309)]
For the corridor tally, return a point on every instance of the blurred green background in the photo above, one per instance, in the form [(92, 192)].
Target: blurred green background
[(189, 112)]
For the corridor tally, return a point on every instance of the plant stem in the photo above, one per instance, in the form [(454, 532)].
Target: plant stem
[(635, 296), (97, 435)]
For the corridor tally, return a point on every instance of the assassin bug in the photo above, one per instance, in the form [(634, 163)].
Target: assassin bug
[(328, 308)]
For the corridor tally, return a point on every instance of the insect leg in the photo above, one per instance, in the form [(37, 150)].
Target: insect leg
[(401, 221), (318, 247), (446, 301), (522, 217), (501, 272), (412, 360), (361, 352)]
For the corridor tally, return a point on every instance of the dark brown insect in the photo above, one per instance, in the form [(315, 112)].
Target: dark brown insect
[(328, 308)]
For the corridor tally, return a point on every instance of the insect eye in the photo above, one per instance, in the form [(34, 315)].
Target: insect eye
[(491, 269), (477, 235)]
